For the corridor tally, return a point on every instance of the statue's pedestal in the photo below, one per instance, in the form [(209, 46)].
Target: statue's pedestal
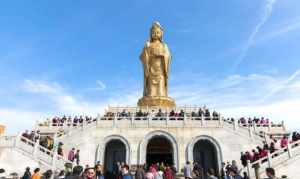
[(156, 101)]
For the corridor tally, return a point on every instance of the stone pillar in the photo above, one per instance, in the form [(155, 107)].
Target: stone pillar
[(235, 124), (181, 155), (250, 131), (269, 160), (36, 148), (115, 119), (249, 168), (289, 150)]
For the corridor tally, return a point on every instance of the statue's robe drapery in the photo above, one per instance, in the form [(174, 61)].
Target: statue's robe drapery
[(147, 58)]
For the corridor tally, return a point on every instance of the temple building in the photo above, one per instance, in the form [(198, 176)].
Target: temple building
[(156, 130)]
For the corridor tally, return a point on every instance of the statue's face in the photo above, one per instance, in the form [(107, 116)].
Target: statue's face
[(156, 34)]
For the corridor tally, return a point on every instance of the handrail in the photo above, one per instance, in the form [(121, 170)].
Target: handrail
[(268, 160), (34, 148), (135, 118)]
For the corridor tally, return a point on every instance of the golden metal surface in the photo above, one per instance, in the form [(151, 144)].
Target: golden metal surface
[(156, 59)]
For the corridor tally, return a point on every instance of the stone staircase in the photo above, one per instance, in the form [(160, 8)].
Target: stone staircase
[(276, 160), (45, 158)]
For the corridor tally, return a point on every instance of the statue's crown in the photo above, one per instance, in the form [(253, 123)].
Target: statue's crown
[(156, 24)]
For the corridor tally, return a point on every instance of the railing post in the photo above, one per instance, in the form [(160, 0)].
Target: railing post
[(234, 125), (55, 149), (249, 168), (283, 126), (36, 148), (150, 117), (250, 131), (18, 137), (54, 157), (167, 119), (269, 126), (289, 150), (115, 119), (97, 119), (220, 120), (132, 119), (269, 159)]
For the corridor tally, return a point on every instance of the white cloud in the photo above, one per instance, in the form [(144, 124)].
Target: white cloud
[(238, 95), (286, 110), (41, 87), (65, 102), (289, 83), (250, 41), (281, 30), (17, 120), (99, 86)]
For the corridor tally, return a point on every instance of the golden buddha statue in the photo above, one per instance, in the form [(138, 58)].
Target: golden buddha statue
[(156, 60)]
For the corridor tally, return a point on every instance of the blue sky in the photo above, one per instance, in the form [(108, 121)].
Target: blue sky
[(76, 57)]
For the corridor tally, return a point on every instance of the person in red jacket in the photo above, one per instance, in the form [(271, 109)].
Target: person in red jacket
[(168, 173)]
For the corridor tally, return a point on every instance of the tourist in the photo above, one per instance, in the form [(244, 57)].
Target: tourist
[(47, 174), (187, 170), (243, 159), (272, 148), (234, 166), (125, 172), (89, 173), (140, 172), (150, 173), (284, 142), (223, 170), (60, 149), (71, 155), (99, 171), (174, 170), (76, 174), (168, 174), (77, 157), (36, 174), (233, 174), (197, 169), (61, 175), (27, 174), (270, 172), (159, 174), (245, 175), (211, 174)]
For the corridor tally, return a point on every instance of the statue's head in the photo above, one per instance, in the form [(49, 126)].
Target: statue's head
[(156, 32)]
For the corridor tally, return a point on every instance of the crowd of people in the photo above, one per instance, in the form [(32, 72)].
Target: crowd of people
[(262, 121), (258, 121), (47, 142), (69, 121), (271, 147), (78, 172), (160, 115)]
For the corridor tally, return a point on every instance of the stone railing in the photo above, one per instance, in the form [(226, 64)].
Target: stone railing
[(48, 158), (257, 168), (138, 121)]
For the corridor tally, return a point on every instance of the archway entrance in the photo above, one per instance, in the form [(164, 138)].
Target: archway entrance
[(115, 151), (159, 149), (205, 154)]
